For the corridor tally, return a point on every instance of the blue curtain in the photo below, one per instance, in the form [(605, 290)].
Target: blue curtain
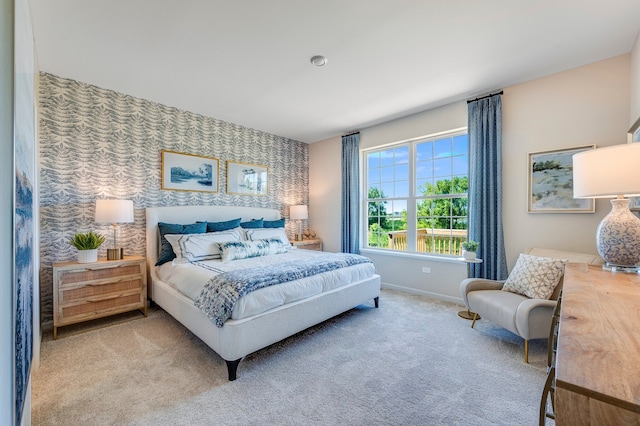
[(485, 186), (350, 197)]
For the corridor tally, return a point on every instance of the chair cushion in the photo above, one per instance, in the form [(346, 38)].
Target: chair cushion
[(535, 277), (497, 306)]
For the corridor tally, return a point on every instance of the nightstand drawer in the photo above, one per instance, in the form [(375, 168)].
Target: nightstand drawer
[(97, 306), (95, 275)]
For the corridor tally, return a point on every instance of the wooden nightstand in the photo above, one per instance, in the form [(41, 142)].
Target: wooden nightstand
[(86, 291), (315, 244)]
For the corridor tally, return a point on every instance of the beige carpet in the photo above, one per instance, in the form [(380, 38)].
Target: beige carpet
[(411, 362)]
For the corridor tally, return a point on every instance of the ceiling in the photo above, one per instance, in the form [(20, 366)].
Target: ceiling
[(247, 62)]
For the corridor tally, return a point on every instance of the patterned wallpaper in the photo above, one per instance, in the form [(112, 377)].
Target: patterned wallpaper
[(97, 143)]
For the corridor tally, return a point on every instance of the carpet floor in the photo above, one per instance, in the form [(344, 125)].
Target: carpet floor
[(413, 361)]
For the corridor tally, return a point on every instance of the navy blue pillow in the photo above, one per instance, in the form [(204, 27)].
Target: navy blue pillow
[(254, 223), (273, 223), (223, 226), (166, 251)]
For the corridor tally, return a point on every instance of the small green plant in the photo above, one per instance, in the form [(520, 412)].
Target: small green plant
[(87, 241), (470, 246)]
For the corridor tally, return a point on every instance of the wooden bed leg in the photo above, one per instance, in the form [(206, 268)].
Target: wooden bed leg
[(232, 368), (376, 301)]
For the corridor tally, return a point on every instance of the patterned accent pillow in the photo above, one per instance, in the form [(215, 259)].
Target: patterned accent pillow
[(166, 251), (262, 233), (535, 277), (246, 249), (195, 247)]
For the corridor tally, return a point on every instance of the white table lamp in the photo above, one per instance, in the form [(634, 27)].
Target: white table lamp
[(114, 212), (298, 213), (612, 172)]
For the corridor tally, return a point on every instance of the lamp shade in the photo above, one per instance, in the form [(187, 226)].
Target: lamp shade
[(607, 172), (114, 211), (298, 212)]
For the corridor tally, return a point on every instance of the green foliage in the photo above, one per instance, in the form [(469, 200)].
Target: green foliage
[(437, 212), (377, 237), (87, 241), (432, 213), (377, 209), (470, 245)]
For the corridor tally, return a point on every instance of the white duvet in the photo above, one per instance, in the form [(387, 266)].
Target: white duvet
[(190, 278)]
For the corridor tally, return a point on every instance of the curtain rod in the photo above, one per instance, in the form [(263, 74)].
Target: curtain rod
[(351, 134), (484, 97)]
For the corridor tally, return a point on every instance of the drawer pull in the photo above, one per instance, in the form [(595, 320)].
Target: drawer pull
[(110, 282), (103, 267), (100, 299)]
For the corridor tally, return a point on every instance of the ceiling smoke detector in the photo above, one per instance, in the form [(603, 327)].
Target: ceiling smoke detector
[(318, 60)]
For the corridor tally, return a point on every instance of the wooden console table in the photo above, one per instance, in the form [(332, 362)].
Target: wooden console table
[(598, 358)]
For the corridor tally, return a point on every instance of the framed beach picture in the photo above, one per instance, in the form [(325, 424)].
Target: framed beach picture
[(247, 179), (189, 172), (550, 182)]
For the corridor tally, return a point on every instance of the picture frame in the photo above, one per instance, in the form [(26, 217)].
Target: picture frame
[(633, 134), (25, 218), (247, 179), (190, 172), (550, 182)]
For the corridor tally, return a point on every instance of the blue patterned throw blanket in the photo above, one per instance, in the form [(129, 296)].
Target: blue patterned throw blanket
[(220, 294)]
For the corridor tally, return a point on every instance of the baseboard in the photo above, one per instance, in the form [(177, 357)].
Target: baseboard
[(457, 300)]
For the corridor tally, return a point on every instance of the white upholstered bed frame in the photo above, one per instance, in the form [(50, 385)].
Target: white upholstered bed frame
[(239, 338)]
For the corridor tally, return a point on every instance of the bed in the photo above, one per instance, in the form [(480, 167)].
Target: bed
[(240, 337)]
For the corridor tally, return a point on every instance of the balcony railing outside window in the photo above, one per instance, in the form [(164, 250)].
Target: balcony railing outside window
[(437, 241)]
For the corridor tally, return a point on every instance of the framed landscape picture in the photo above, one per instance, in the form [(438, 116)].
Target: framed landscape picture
[(189, 172), (550, 182), (247, 179)]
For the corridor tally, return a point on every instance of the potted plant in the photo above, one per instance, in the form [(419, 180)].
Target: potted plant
[(87, 245), (469, 249)]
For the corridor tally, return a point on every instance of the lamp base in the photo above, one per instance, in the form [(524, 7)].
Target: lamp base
[(618, 236), (115, 254), (620, 268)]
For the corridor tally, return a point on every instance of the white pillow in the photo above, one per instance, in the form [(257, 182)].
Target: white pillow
[(535, 277), (263, 233), (194, 247), (236, 250)]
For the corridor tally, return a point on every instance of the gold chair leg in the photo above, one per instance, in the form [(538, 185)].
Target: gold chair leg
[(475, 317), (526, 351)]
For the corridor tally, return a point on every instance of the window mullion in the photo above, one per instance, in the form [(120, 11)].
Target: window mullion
[(411, 201)]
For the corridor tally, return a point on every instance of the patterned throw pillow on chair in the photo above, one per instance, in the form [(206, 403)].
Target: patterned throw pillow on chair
[(535, 277)]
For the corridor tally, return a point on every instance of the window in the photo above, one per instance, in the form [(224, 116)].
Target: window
[(416, 197)]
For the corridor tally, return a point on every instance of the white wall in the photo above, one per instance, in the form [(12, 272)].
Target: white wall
[(583, 106), (586, 105), (6, 212), (325, 177)]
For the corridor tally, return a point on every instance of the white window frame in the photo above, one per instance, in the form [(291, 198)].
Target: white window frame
[(411, 200)]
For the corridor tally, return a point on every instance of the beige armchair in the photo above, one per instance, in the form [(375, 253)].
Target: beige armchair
[(526, 317)]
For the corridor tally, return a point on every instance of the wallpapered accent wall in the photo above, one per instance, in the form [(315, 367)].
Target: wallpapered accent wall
[(97, 143)]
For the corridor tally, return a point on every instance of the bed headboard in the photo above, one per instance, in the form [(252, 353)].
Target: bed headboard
[(192, 214)]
